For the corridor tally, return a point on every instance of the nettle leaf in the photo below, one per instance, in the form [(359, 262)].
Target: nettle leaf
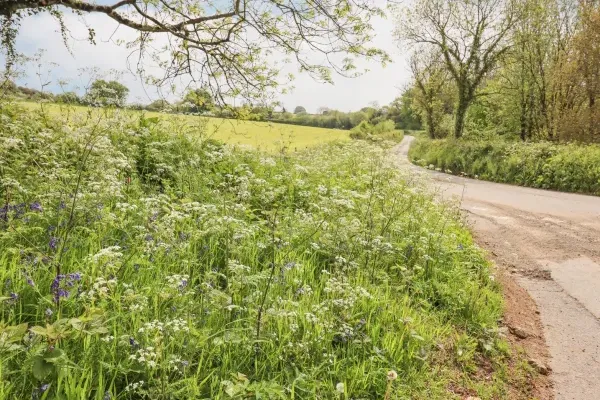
[(12, 334), (41, 368), (41, 331), (54, 355), (90, 323)]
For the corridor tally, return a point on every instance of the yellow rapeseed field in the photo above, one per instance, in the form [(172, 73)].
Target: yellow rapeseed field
[(261, 135)]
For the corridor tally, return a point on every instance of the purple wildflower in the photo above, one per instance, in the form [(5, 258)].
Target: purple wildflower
[(75, 276), (133, 343), (53, 243), (57, 285), (56, 288), (28, 279), (183, 284), (36, 206), (13, 298), (56, 282), (289, 265)]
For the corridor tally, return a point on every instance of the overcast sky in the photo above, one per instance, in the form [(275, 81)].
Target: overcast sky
[(379, 85)]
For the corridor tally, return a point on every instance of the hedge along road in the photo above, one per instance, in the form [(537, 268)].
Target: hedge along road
[(550, 243)]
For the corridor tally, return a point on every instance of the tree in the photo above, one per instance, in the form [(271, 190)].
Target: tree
[(471, 36), (106, 93), (68, 98), (157, 105), (430, 77), (585, 53), (402, 111), (299, 110), (224, 46), (201, 100)]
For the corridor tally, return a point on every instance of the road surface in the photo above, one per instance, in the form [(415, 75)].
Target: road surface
[(550, 241)]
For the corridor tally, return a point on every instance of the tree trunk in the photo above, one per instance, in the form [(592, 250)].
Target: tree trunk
[(430, 123), (459, 117), (592, 124), (523, 114)]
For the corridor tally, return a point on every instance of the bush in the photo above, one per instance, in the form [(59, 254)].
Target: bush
[(68, 98), (545, 165), (384, 130)]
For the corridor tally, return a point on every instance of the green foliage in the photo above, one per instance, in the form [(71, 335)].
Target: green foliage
[(299, 110), (402, 111), (199, 101), (384, 130), (333, 119), (106, 93), (68, 98), (149, 262), (545, 165), (158, 105)]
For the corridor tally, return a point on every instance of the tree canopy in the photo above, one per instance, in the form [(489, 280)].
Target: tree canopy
[(200, 99), (471, 37), (106, 93), (224, 48), (527, 68), (299, 110)]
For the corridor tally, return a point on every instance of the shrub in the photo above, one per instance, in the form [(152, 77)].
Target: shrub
[(384, 130)]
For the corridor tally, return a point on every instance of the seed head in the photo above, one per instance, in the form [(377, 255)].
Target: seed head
[(392, 375)]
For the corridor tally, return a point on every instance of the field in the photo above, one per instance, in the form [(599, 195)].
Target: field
[(142, 259), (260, 135)]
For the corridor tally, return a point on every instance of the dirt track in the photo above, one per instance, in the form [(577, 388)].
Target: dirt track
[(549, 244)]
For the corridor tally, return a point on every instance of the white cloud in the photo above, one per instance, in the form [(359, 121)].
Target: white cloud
[(42, 32)]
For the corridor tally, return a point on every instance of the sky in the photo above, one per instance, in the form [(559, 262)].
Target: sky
[(379, 84)]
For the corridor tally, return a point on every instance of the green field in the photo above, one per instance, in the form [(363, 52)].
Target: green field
[(260, 135)]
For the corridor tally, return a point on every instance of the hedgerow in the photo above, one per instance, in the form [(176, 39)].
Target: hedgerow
[(565, 167)]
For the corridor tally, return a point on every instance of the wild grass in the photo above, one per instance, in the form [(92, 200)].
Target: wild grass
[(141, 261), (565, 167), (266, 136)]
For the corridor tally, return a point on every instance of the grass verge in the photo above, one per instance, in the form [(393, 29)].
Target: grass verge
[(141, 261)]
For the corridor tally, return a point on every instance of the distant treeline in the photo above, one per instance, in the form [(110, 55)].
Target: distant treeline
[(399, 114)]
